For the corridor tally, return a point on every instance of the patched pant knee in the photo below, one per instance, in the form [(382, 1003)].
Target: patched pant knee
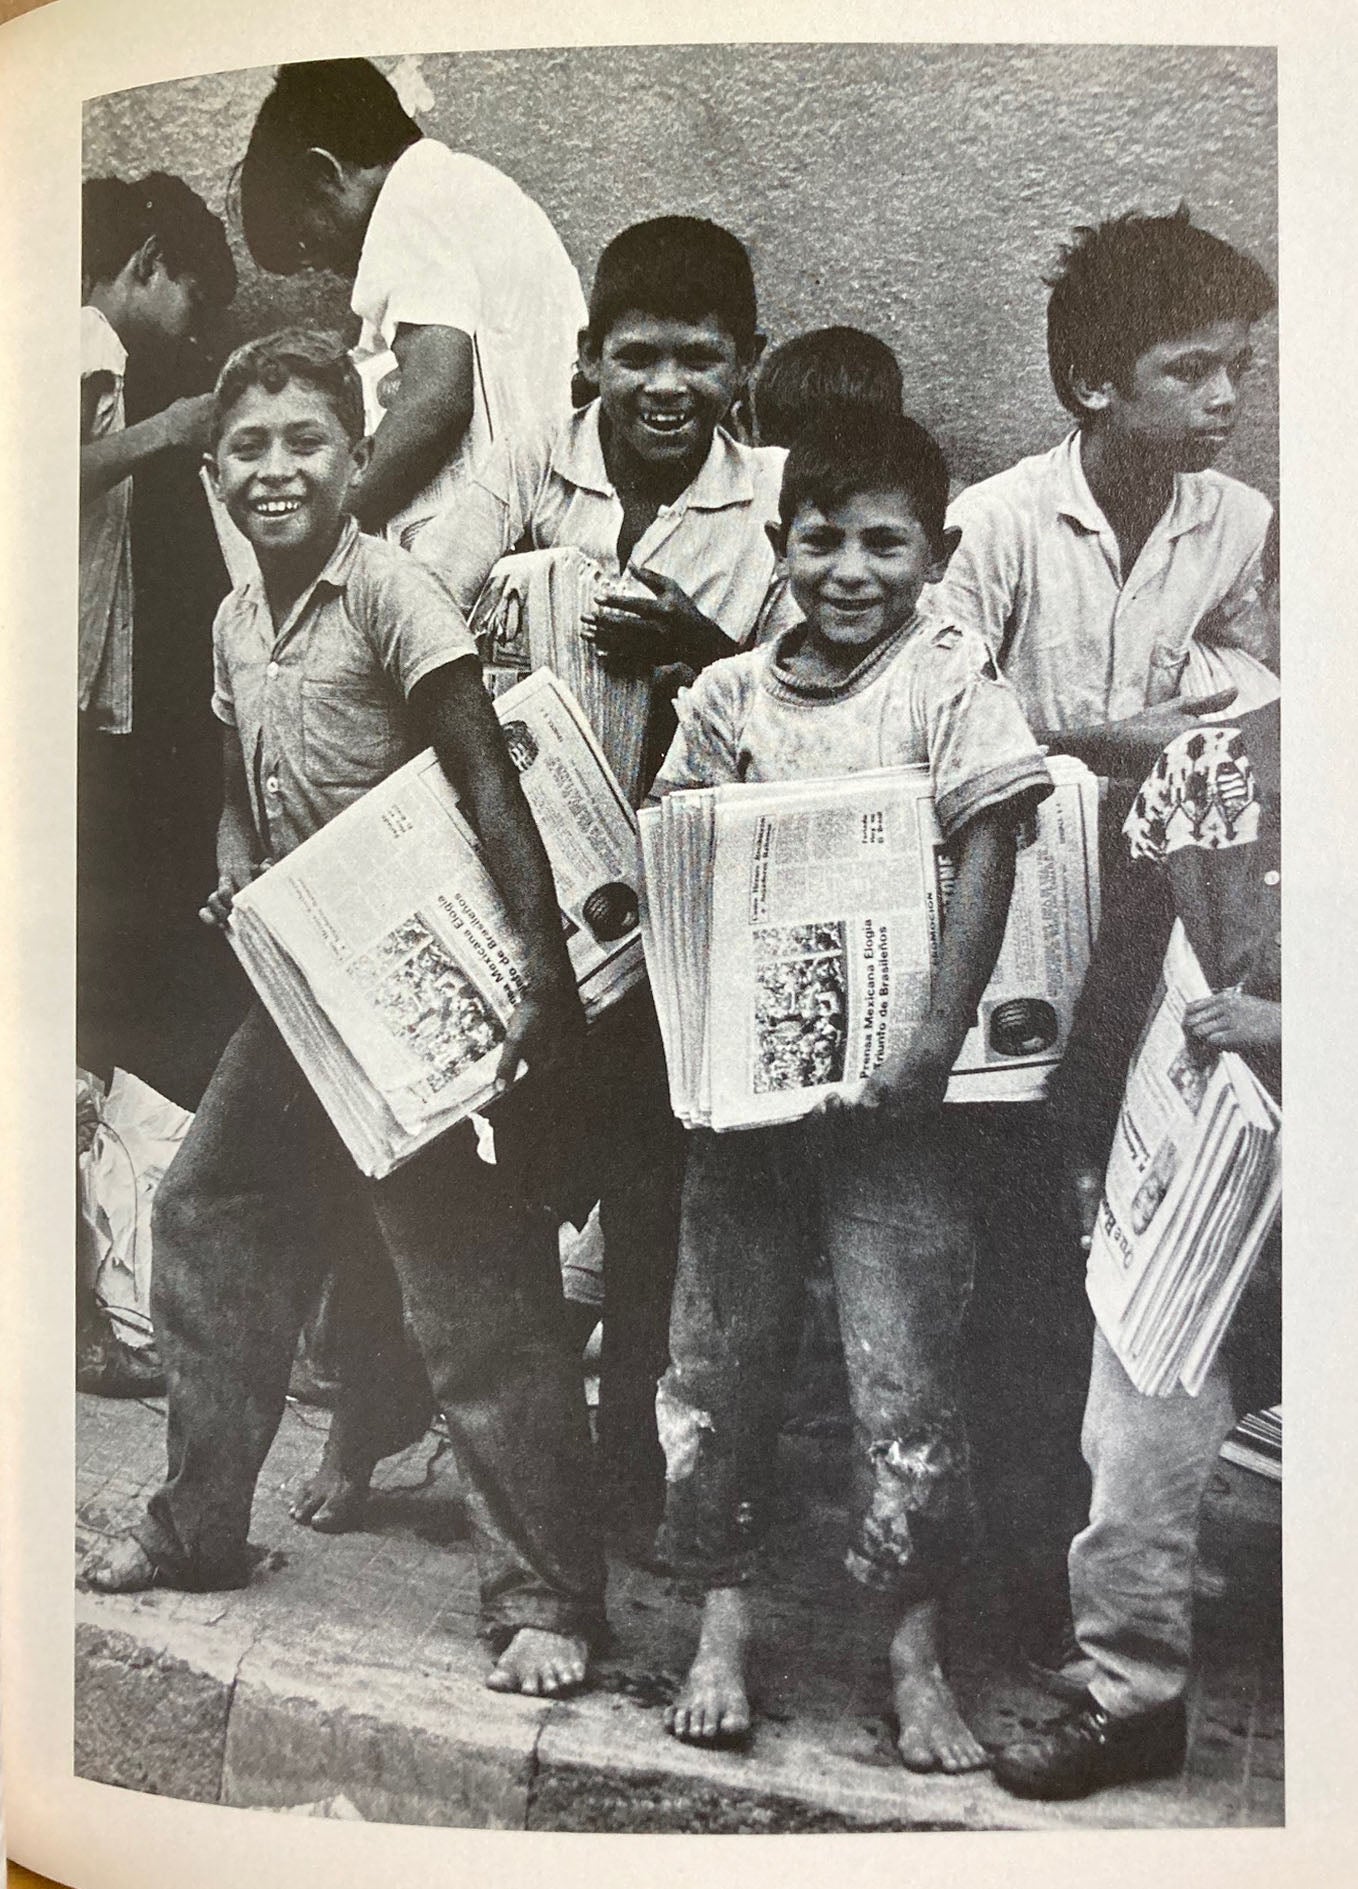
[(918, 1520)]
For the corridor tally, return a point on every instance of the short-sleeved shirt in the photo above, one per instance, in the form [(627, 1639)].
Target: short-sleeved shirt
[(104, 672), (929, 695), (1038, 574), (320, 705), (454, 243), (551, 487)]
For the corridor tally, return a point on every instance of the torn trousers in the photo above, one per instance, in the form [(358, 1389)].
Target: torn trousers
[(888, 1206), (238, 1231)]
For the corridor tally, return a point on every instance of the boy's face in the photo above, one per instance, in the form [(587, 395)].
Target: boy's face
[(1180, 404), (666, 385), (282, 468), (857, 569), (332, 216)]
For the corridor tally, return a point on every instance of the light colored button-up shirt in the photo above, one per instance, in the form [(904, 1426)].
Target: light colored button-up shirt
[(320, 705), (552, 488), (1038, 573)]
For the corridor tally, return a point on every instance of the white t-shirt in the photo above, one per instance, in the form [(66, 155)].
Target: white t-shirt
[(104, 674), (454, 243)]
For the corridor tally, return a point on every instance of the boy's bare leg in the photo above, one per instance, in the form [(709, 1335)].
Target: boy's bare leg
[(933, 1735), (713, 1707), (540, 1663)]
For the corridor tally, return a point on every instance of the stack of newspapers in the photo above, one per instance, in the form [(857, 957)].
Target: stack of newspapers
[(1256, 1443), (385, 954), (530, 615), (792, 933), (1192, 1191)]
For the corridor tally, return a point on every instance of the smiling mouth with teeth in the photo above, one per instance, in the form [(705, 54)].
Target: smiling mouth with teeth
[(276, 507), (666, 422)]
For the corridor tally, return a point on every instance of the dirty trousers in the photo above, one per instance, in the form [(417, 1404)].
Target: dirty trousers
[(239, 1232), (886, 1203)]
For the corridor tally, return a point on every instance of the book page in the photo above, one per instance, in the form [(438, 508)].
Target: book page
[(944, 251)]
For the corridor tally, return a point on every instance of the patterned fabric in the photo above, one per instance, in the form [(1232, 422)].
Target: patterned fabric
[(1201, 792)]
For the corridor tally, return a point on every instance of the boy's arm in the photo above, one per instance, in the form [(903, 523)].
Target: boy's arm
[(1128, 749), (914, 1078), (240, 855), (107, 461), (424, 425), (454, 709)]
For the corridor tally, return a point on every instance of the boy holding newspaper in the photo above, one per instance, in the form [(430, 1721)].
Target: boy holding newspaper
[(862, 683), (331, 670)]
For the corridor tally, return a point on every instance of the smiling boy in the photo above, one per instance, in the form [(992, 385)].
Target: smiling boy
[(861, 684), (338, 664), (647, 482)]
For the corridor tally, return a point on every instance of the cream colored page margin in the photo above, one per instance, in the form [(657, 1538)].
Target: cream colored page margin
[(99, 1838)]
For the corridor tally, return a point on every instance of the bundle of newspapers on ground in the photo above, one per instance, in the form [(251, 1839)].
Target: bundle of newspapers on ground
[(792, 932), (530, 615), (385, 954), (1193, 1189)]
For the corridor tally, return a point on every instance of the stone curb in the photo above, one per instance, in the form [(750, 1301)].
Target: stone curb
[(218, 1712)]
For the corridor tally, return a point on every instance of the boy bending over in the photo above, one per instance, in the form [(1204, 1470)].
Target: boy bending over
[(331, 670), (862, 683)]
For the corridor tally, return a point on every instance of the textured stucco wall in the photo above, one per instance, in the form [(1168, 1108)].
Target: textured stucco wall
[(916, 191)]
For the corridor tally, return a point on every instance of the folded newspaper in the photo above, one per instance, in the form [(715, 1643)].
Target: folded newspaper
[(1193, 1188), (792, 933), (385, 955), (530, 615)]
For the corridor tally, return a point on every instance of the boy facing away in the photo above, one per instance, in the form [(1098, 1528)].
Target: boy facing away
[(341, 662), (455, 271), (862, 683)]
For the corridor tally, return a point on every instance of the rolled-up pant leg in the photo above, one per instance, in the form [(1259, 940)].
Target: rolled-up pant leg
[(236, 1257), (1131, 1569), (898, 1233), (481, 1279), (748, 1218)]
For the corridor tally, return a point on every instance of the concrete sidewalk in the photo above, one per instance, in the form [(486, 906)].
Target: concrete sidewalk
[(347, 1679)]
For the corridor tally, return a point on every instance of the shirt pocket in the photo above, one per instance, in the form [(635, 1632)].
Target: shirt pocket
[(351, 732), (1167, 664)]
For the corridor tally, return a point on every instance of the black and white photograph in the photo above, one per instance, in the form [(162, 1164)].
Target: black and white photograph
[(462, 1440)]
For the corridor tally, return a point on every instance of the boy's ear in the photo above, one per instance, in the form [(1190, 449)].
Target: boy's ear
[(943, 554), (324, 170), (146, 260), (210, 468), (777, 537), (587, 358), (363, 452), (1092, 397)]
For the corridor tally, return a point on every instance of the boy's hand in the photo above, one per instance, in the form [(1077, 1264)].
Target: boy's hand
[(645, 632), (234, 872), (912, 1082), (1228, 1019), (1132, 745), (545, 1032), (188, 422)]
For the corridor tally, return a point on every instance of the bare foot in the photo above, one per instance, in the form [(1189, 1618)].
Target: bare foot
[(933, 1735), (712, 1708), (121, 1567), (332, 1501), (540, 1663)]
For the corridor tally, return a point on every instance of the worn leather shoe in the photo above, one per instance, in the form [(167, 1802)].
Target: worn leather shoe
[(1089, 1750)]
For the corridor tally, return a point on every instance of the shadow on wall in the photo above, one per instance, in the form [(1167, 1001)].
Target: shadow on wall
[(918, 191)]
